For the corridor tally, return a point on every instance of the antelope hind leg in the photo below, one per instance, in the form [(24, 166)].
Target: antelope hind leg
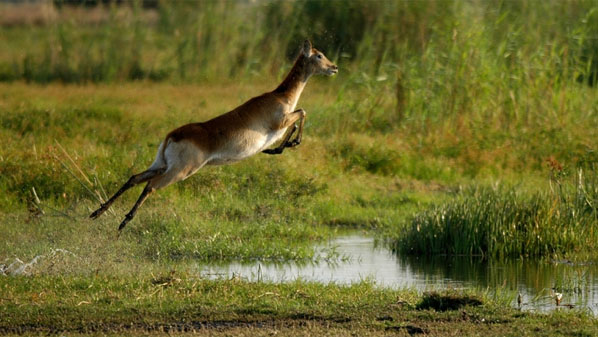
[(146, 193), (134, 180)]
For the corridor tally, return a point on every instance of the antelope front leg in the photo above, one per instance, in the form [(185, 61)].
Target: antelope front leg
[(285, 141), (297, 139), (290, 119)]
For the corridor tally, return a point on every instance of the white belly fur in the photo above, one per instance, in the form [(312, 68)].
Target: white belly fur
[(271, 138), (238, 150)]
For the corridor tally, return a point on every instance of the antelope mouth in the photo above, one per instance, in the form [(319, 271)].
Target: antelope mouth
[(332, 71)]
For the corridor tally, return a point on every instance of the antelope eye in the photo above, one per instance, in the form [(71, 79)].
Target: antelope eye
[(319, 56)]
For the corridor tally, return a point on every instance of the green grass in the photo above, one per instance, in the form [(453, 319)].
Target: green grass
[(429, 97), (74, 144), (502, 221), (196, 41), (181, 301), (424, 92)]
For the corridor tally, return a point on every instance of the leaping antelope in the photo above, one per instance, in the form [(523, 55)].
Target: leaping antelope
[(250, 128)]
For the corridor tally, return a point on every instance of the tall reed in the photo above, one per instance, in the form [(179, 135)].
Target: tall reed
[(500, 221), (193, 41)]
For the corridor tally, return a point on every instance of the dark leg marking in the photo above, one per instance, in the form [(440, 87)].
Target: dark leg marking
[(146, 192), (134, 180), (285, 143), (297, 139)]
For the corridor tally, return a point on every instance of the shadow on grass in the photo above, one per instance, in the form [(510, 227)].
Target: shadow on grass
[(447, 301)]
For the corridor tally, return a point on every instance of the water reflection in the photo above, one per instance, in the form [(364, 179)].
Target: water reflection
[(538, 282)]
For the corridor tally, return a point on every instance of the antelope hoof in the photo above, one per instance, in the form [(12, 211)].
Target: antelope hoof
[(272, 151), (293, 143), (123, 224), (128, 218), (97, 212)]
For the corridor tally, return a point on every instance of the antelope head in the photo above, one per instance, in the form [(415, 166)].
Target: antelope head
[(317, 62)]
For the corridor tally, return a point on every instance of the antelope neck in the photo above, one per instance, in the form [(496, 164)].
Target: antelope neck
[(294, 83)]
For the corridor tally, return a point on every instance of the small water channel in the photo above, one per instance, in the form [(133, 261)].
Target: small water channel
[(536, 281)]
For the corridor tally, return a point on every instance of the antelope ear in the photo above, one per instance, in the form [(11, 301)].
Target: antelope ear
[(306, 48)]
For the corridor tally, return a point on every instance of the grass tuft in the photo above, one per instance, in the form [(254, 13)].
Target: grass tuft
[(500, 221)]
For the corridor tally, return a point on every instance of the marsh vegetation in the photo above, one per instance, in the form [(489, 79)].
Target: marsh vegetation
[(467, 128)]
